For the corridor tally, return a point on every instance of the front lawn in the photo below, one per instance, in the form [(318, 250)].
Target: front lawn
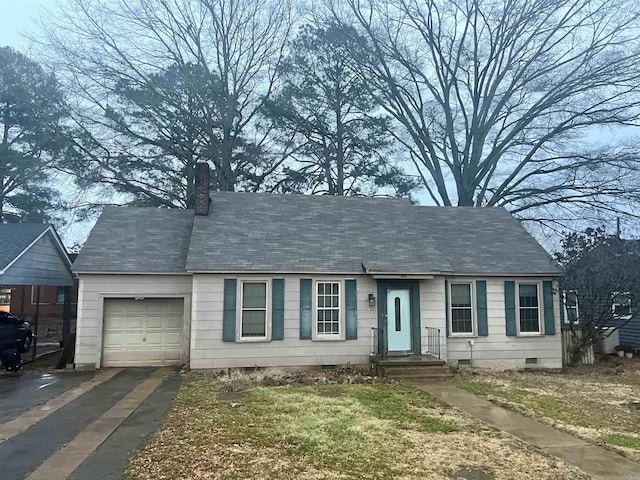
[(325, 430), (599, 403)]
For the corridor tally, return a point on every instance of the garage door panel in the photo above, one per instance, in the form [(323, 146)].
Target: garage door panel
[(117, 323), (115, 340), (155, 339), (154, 356), (173, 338), (172, 355), (156, 322), (174, 321), (135, 322), (134, 339), (144, 332)]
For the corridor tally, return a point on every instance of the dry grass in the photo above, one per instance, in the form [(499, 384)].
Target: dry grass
[(599, 403), (329, 430)]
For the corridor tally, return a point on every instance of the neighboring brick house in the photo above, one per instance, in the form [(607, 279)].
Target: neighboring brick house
[(51, 310), (32, 254)]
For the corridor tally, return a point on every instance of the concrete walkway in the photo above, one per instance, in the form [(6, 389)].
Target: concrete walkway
[(596, 461)]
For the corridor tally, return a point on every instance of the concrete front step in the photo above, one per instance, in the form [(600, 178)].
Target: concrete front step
[(418, 372)]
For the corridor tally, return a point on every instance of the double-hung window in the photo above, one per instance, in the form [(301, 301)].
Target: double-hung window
[(5, 296), (621, 305), (254, 318), (328, 309), (60, 295), (461, 309), (571, 314), (529, 307)]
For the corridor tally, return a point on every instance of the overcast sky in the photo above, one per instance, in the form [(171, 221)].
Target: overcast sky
[(16, 17)]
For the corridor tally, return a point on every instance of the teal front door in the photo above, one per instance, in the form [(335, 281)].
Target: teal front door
[(398, 320)]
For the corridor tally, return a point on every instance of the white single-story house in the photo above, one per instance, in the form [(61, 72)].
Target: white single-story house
[(259, 279)]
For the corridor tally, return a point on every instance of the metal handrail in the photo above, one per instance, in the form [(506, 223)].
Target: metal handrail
[(379, 346), (433, 341)]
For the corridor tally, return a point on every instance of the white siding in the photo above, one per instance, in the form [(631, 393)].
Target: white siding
[(497, 350), (93, 289), (209, 351), (432, 312), (204, 348)]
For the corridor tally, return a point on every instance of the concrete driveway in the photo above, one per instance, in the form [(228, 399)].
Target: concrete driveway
[(79, 425)]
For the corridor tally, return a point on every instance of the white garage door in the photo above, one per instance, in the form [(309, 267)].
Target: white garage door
[(146, 332)]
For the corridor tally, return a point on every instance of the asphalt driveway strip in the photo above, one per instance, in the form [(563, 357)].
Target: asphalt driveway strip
[(23, 453), (20, 392), (110, 460)]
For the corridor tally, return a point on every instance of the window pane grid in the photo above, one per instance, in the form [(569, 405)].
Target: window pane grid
[(328, 308), (254, 309), (5, 296), (461, 308), (529, 308)]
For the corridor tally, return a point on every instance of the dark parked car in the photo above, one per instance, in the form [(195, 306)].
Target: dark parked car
[(14, 333)]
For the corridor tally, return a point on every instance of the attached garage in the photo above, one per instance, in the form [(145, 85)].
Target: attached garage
[(143, 332)]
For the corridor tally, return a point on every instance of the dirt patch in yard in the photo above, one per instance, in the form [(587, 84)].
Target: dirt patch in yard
[(324, 425), (598, 403)]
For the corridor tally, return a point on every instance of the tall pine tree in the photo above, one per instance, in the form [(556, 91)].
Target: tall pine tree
[(329, 123), (31, 110)]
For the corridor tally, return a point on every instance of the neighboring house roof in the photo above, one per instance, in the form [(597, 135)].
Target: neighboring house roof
[(33, 254), (15, 238), (137, 239), (261, 232)]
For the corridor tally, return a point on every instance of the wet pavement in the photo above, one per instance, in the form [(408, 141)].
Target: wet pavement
[(20, 392), (31, 449), (109, 461), (594, 460)]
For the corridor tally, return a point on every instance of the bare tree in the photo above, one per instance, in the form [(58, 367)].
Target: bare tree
[(508, 102), (328, 123), (599, 286), (160, 83)]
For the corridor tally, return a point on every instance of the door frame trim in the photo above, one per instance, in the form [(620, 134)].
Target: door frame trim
[(414, 295), (186, 319)]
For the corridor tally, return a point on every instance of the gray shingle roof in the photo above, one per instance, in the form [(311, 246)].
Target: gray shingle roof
[(15, 237), (263, 232), (484, 240), (267, 232), (137, 239)]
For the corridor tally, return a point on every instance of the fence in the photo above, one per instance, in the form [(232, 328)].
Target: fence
[(568, 340)]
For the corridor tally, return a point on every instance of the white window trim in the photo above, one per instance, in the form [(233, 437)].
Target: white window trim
[(267, 337), (613, 305), (540, 309), (566, 310), (341, 313), (474, 316)]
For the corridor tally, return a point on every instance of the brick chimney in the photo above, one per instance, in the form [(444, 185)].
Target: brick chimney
[(202, 187)]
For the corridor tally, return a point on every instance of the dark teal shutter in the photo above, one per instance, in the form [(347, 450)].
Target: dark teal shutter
[(547, 298), (351, 303), (305, 308), (481, 307), (229, 315), (510, 307), (446, 306), (277, 309)]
